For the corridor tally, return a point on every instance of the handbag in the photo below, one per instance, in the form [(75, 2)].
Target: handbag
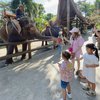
[(70, 49)]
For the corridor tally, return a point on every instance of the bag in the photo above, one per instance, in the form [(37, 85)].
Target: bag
[(70, 50)]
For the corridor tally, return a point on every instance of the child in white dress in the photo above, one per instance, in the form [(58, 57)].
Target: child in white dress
[(91, 61)]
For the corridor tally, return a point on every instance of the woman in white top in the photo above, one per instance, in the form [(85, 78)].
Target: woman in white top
[(91, 61)]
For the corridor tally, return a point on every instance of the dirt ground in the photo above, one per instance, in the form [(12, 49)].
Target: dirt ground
[(38, 79)]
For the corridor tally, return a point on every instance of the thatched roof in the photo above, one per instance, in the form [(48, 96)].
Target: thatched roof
[(74, 11)]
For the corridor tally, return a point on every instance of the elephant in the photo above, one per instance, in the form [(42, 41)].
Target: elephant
[(28, 31), (50, 31)]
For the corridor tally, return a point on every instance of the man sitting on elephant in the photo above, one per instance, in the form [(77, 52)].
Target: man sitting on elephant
[(20, 11)]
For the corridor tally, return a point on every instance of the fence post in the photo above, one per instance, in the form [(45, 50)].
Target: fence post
[(29, 49)]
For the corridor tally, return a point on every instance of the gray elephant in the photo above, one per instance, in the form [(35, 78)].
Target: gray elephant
[(28, 31)]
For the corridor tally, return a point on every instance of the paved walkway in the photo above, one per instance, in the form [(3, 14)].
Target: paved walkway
[(38, 79)]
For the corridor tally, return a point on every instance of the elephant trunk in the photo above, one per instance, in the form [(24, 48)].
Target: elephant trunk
[(36, 34)]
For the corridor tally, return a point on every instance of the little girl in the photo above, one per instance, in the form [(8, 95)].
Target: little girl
[(91, 61), (77, 42), (66, 72), (60, 43)]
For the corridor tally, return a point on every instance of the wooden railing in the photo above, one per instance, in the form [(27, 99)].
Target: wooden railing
[(29, 50)]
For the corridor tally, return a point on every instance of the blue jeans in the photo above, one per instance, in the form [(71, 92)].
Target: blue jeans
[(59, 49)]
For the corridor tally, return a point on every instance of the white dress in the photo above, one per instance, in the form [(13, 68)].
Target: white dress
[(89, 73)]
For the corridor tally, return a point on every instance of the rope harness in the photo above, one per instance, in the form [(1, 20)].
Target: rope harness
[(15, 25)]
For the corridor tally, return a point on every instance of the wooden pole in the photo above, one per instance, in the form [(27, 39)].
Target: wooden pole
[(29, 49), (68, 16)]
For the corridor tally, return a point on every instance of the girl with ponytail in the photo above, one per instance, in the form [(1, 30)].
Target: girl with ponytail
[(91, 62), (93, 49)]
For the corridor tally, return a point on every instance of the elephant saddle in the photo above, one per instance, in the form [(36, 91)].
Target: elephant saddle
[(16, 26), (8, 14), (15, 23)]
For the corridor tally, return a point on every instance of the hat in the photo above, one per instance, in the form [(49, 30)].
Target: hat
[(74, 30), (21, 5)]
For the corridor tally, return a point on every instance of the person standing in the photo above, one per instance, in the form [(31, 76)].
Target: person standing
[(20, 11), (91, 62), (66, 73), (60, 43), (77, 42)]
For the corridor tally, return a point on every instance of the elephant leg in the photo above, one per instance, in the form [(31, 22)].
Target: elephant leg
[(46, 43), (10, 50), (42, 43), (16, 49), (24, 48)]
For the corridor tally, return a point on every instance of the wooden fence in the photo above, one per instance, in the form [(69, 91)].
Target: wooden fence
[(29, 50)]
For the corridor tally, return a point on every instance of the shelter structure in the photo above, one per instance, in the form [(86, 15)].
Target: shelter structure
[(69, 15)]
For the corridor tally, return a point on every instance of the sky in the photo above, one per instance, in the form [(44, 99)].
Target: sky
[(51, 5)]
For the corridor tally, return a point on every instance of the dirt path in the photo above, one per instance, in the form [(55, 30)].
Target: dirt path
[(38, 79)]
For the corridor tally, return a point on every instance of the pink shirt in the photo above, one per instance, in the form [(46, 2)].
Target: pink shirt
[(66, 71), (77, 43)]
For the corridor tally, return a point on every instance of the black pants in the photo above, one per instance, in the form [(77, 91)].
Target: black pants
[(14, 38)]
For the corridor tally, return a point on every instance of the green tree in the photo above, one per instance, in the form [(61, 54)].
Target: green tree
[(40, 22), (14, 5), (49, 16), (86, 7), (34, 8), (3, 5), (39, 16), (97, 6)]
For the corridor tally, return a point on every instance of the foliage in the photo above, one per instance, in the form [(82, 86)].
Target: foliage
[(1, 23), (39, 16), (49, 16), (54, 18), (14, 4), (86, 7), (41, 22), (4, 5), (95, 19), (90, 11), (97, 6)]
